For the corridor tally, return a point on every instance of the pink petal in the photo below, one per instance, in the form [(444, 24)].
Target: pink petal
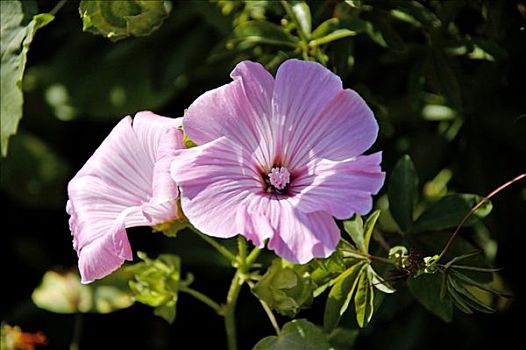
[(316, 117), (296, 236), (119, 187), (341, 188), (240, 111), (214, 180)]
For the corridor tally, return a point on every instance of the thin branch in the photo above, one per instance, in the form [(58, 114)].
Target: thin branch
[(474, 209), (57, 7), (203, 298)]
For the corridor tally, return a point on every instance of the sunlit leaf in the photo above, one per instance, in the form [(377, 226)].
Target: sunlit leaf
[(18, 28), (296, 335), (364, 299), (403, 192), (354, 227), (379, 283), (302, 12), (341, 294), (117, 20)]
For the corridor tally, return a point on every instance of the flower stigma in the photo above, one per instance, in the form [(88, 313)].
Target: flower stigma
[(278, 180)]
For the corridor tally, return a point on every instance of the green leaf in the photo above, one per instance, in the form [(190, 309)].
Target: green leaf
[(325, 28), (341, 294), (302, 12), (284, 289), (296, 335), (34, 174), (364, 299), (117, 20), (369, 228), (471, 300), (379, 283), (252, 33), (18, 30), (403, 192), (426, 289), (156, 283), (335, 35), (449, 211), (354, 227)]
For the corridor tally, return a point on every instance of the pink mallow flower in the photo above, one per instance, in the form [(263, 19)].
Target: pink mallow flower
[(278, 159), (125, 183)]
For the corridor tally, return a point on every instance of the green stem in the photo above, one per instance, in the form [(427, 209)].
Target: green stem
[(57, 7), (203, 298), (230, 308), (222, 250), (77, 332), (371, 257), (244, 263)]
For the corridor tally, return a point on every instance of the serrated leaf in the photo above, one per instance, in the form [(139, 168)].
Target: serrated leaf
[(449, 211), (17, 33), (426, 289), (252, 33), (117, 20), (296, 335), (364, 299), (403, 192), (302, 12), (341, 294)]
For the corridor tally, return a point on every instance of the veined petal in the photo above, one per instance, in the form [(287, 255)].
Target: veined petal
[(297, 236), (214, 178), (341, 188), (125, 183), (315, 117), (240, 111)]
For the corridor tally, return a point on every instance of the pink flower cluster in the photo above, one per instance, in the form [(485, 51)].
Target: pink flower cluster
[(277, 160)]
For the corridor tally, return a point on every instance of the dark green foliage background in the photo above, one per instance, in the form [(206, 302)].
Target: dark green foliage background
[(187, 56)]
